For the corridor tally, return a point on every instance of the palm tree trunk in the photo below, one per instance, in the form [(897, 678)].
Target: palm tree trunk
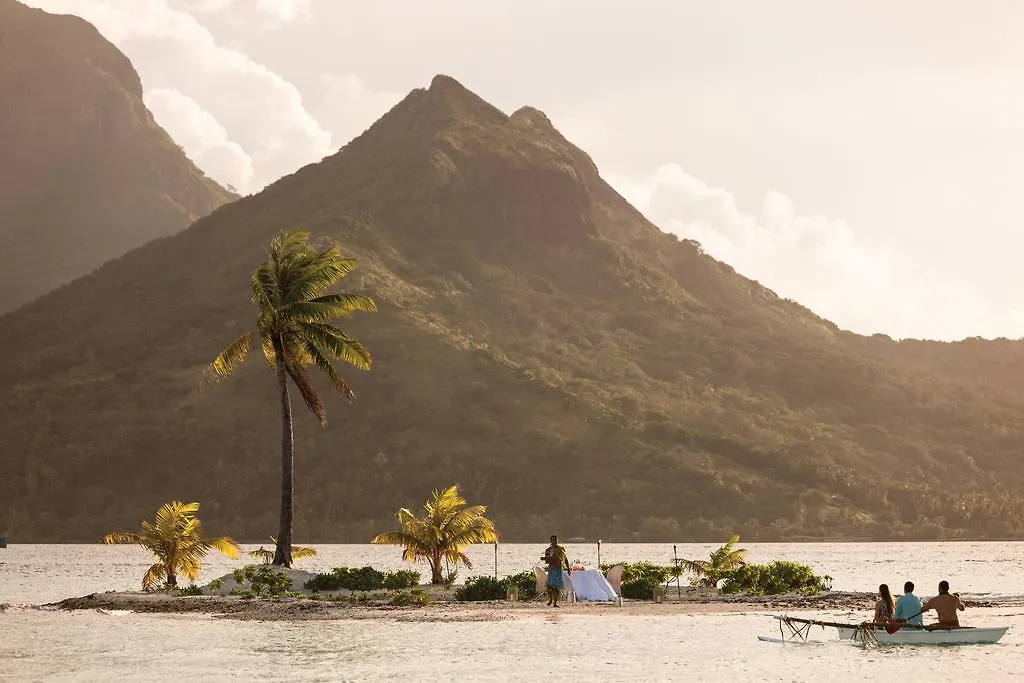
[(283, 552), (435, 571)]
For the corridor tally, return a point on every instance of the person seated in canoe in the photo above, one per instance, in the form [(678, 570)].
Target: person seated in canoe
[(885, 607), (945, 605), (908, 607), (556, 559)]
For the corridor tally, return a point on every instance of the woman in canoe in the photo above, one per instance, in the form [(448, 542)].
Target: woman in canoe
[(885, 608)]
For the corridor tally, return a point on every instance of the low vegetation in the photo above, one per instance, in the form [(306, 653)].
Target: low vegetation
[(363, 579), (480, 588)]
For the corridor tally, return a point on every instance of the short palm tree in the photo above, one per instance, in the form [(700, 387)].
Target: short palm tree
[(293, 328), (724, 559), (267, 556), (176, 538), (440, 535)]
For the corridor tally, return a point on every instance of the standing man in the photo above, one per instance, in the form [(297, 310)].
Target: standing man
[(908, 607), (556, 559), (945, 606)]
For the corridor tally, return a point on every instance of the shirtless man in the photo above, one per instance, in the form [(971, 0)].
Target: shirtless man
[(555, 558), (945, 606)]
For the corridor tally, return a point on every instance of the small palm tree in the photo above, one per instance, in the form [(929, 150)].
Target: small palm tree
[(267, 556), (441, 534), (724, 559), (176, 538), (293, 328)]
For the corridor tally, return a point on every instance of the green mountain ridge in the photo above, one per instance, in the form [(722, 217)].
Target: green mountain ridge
[(539, 342), (86, 174)]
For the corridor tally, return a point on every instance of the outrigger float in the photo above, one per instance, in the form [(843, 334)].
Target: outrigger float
[(796, 630)]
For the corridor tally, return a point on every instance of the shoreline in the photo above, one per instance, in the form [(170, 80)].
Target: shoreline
[(304, 609)]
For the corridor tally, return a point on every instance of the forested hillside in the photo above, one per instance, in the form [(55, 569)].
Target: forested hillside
[(539, 343)]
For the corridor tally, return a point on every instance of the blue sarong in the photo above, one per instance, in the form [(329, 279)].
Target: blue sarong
[(556, 578)]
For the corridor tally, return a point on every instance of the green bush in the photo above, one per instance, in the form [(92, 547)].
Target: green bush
[(189, 590), (775, 578), (525, 584), (363, 579), (401, 579), (639, 579), (264, 581), (416, 596), (479, 588)]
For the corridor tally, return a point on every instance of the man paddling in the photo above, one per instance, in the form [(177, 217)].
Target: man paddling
[(908, 607), (945, 606), (555, 558)]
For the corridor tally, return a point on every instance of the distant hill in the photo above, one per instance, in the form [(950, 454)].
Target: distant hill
[(86, 174), (539, 343)]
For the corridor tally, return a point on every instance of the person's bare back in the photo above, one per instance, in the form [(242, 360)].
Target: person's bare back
[(946, 606)]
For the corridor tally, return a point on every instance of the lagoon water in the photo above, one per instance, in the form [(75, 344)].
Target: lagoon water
[(96, 646)]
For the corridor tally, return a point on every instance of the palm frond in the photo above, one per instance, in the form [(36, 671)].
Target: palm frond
[(326, 308), (308, 393), (154, 576), (227, 360), (263, 555), (334, 343), (328, 369), (123, 537)]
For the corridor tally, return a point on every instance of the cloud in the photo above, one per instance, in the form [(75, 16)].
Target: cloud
[(268, 13), (819, 262), (261, 113), (202, 136), (347, 107)]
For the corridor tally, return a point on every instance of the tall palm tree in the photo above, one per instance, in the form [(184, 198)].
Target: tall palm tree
[(441, 534), (293, 328), (176, 538)]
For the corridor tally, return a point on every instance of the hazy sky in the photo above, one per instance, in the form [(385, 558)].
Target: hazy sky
[(864, 158)]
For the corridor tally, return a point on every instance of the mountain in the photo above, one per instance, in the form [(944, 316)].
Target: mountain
[(86, 174), (539, 342)]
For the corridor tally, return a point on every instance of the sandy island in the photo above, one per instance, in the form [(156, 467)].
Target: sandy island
[(342, 604), (303, 609)]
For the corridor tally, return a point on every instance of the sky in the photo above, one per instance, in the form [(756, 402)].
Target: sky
[(862, 157)]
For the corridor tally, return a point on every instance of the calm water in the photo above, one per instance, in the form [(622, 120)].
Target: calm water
[(93, 646)]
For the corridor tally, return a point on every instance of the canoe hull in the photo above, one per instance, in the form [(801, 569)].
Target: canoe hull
[(917, 636)]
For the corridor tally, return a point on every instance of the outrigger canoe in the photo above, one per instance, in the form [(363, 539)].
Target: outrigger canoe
[(794, 629)]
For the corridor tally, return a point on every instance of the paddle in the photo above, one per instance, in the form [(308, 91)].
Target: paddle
[(894, 626)]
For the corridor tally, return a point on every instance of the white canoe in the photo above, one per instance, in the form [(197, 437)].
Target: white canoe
[(919, 636)]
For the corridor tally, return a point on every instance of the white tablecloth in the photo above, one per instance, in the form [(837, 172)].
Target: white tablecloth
[(590, 584)]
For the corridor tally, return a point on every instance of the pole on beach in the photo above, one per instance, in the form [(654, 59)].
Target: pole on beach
[(599, 554), (495, 560), (675, 561)]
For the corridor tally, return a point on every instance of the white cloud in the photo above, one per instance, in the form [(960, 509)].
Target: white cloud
[(266, 12), (202, 136), (819, 262), (260, 112), (348, 107)]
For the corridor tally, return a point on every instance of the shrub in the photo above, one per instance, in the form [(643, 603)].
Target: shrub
[(189, 590), (639, 579), (775, 578), (362, 579), (416, 596), (525, 584), (479, 588), (264, 581), (216, 585), (404, 578)]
